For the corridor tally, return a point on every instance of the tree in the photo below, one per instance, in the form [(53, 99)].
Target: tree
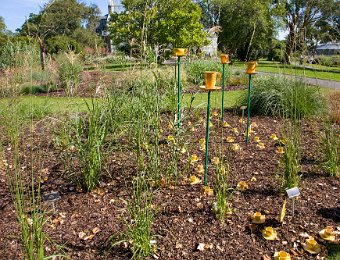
[(158, 23), (300, 18), (211, 10), (58, 17), (3, 36), (247, 26)]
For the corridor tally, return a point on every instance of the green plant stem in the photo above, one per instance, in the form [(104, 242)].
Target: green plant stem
[(248, 109), (207, 140)]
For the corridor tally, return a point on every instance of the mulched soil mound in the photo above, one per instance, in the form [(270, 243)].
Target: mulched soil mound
[(83, 223)]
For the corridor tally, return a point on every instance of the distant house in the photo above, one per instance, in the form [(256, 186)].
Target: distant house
[(102, 28), (331, 48)]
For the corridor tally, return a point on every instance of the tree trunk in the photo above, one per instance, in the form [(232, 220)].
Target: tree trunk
[(290, 44), (42, 53)]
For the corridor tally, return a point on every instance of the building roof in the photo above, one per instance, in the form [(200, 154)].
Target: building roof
[(329, 46)]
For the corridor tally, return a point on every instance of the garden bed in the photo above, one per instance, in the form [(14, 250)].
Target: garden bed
[(83, 223)]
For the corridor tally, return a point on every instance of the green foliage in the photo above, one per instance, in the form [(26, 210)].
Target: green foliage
[(195, 70), (290, 160), (158, 23), (19, 54), (330, 61), (141, 213), (70, 68), (223, 191), (62, 43), (285, 97), (276, 53), (88, 137), (330, 144), (25, 194), (246, 27)]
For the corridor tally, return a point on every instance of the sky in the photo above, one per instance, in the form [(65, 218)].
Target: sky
[(15, 12)]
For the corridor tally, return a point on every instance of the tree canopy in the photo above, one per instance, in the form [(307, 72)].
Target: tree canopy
[(158, 23)]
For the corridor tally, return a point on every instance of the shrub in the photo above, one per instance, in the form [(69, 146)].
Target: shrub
[(285, 97), (69, 70)]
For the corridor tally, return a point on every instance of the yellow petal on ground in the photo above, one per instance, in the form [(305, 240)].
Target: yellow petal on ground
[(280, 150), (215, 113), (216, 160), (242, 120), (193, 159), (202, 141), (194, 180), (283, 211), (171, 138), (208, 191), (235, 147), (200, 168), (211, 124), (273, 137), (261, 146), (253, 125), (242, 185), (235, 130), (95, 230), (225, 124), (230, 139), (257, 139)]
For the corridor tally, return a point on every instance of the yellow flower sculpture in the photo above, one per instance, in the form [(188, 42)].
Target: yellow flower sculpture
[(236, 147), (269, 233), (216, 160), (208, 191), (230, 139), (311, 246), (225, 124), (200, 168), (171, 139), (256, 139), (280, 150), (282, 255), (273, 137), (258, 218), (235, 130), (242, 185), (194, 180), (327, 234), (261, 146), (194, 159)]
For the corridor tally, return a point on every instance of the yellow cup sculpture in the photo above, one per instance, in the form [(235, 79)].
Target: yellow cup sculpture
[(224, 58), (251, 67), (179, 52), (211, 78)]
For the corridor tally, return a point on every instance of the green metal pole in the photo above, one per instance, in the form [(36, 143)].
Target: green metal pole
[(179, 94), (248, 109), (222, 108), (207, 141)]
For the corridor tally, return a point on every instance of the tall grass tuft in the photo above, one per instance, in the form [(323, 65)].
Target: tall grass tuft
[(141, 213), (290, 160), (330, 145), (87, 135), (223, 191), (24, 186), (284, 97)]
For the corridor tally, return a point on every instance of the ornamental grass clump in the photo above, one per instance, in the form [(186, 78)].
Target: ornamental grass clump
[(290, 159), (87, 135), (223, 192), (284, 97), (330, 147), (140, 210)]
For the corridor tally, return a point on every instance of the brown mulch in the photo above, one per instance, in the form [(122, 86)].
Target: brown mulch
[(183, 214)]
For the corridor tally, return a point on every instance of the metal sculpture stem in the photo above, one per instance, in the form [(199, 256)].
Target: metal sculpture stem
[(179, 94), (248, 109), (207, 141), (222, 108)]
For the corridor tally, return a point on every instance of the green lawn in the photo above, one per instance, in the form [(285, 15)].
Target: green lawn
[(276, 67), (201, 99)]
